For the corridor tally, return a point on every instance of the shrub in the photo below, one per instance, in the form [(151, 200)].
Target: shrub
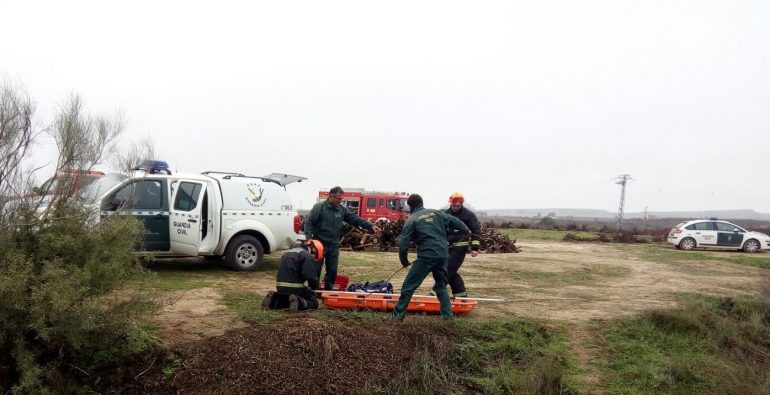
[(62, 312), (61, 316), (546, 223)]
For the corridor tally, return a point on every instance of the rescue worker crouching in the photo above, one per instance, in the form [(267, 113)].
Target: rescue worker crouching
[(298, 265)]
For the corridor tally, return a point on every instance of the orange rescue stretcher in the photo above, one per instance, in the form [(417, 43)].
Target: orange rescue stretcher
[(386, 302)]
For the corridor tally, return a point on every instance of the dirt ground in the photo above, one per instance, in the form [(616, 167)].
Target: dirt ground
[(566, 282), (299, 354), (208, 349)]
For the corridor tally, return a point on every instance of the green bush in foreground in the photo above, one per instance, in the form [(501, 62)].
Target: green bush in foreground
[(713, 346), (61, 316), (500, 357)]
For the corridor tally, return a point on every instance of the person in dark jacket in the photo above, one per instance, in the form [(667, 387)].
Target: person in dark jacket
[(325, 224), (427, 228), (459, 244), (299, 265)]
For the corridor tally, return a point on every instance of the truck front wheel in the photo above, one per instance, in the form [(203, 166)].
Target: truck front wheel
[(244, 253)]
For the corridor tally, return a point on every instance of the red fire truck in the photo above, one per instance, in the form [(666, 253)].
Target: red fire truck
[(373, 205)]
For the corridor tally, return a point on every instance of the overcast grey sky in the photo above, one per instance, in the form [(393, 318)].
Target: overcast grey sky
[(517, 104)]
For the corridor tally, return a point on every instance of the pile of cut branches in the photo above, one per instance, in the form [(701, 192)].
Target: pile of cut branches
[(357, 239)]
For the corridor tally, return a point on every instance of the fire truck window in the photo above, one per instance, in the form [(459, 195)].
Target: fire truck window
[(187, 197), (392, 203), (382, 203), (371, 202), (403, 206), (352, 206)]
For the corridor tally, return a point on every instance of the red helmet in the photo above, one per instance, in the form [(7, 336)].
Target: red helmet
[(456, 197), (316, 249)]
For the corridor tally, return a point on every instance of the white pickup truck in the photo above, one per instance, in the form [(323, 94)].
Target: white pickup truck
[(213, 214)]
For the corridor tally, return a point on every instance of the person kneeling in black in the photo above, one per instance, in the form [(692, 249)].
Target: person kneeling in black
[(298, 265)]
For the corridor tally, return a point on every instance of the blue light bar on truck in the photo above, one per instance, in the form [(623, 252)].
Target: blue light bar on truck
[(152, 166)]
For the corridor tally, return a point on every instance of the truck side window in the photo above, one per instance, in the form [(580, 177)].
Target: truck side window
[(148, 195), (187, 197), (141, 195), (382, 203), (371, 202), (392, 204)]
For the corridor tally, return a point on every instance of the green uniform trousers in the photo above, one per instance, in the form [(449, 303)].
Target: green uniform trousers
[(331, 261), (420, 269)]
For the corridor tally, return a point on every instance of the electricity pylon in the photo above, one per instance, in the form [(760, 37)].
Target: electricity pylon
[(622, 181)]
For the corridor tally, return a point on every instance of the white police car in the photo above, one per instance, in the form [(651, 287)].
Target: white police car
[(713, 233)]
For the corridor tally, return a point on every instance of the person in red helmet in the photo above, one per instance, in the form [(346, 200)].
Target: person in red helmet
[(299, 265), (459, 244)]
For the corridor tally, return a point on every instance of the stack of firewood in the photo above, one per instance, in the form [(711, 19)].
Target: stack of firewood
[(492, 241)]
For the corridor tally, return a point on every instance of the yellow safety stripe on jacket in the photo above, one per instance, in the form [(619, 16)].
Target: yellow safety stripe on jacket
[(465, 243), (289, 285)]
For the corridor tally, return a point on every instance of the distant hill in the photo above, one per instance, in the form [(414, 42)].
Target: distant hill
[(589, 213)]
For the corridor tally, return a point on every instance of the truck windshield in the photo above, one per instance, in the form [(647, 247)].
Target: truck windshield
[(99, 187)]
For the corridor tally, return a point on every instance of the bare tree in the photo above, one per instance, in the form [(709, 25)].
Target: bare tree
[(124, 161), (16, 136), (82, 141)]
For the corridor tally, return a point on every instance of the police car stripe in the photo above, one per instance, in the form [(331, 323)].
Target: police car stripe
[(164, 213), (252, 213)]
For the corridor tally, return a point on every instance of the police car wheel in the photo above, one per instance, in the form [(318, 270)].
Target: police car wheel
[(244, 253), (687, 244), (751, 246)]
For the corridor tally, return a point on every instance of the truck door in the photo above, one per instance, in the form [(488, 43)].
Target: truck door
[(187, 221), (145, 199)]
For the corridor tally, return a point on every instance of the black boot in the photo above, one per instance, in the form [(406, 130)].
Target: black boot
[(268, 302)]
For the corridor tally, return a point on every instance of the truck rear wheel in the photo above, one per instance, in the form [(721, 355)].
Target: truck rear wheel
[(244, 253)]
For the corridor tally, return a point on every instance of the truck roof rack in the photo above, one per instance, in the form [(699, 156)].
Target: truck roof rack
[(207, 172)]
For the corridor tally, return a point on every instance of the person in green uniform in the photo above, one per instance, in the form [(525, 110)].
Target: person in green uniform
[(325, 224), (427, 228)]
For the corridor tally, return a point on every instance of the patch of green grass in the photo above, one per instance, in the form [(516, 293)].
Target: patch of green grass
[(667, 254), (571, 276), (709, 346), (272, 262), (752, 260), (427, 375), (498, 357), (247, 307), (173, 281), (512, 357), (543, 234), (172, 367)]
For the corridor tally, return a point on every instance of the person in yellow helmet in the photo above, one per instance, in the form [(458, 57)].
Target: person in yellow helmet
[(459, 242)]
